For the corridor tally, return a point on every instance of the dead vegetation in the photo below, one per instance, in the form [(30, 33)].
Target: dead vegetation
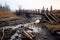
[(6, 14)]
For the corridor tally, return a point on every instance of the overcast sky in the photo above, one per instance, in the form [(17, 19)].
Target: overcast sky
[(31, 4)]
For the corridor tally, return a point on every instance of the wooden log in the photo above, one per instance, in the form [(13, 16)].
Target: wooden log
[(26, 34), (30, 34), (48, 18)]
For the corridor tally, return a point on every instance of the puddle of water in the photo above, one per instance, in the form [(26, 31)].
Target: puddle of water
[(35, 29)]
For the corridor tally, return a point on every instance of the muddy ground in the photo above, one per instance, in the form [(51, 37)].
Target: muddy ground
[(42, 34)]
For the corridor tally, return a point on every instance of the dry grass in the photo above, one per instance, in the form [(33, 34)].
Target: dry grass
[(6, 14), (53, 27)]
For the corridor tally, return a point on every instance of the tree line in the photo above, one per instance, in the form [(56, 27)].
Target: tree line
[(6, 7)]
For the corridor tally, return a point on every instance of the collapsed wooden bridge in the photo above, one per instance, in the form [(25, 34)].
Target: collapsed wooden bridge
[(50, 17), (46, 15)]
